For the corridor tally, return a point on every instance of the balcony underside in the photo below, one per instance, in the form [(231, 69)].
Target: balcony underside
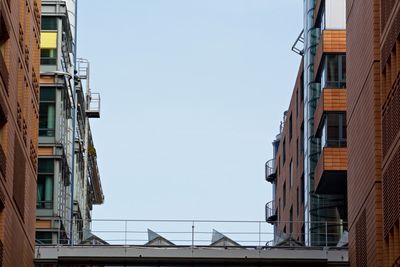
[(272, 219), (332, 183)]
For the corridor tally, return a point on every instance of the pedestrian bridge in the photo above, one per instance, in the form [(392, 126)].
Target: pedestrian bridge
[(186, 243), (109, 255)]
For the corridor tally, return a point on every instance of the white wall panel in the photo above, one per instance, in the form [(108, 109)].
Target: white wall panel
[(335, 14)]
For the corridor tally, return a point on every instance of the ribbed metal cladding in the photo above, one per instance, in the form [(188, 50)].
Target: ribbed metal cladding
[(361, 240), (391, 194), (390, 125)]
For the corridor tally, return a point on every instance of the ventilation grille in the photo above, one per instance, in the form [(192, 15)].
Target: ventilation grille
[(361, 240), (393, 32), (391, 121), (391, 194)]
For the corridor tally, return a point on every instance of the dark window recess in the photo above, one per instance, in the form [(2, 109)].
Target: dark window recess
[(47, 111), (302, 188), (4, 36), (284, 195), (333, 72), (279, 166), (297, 152), (284, 152), (45, 184), (291, 173), (279, 210), (49, 23), (290, 128), (302, 138), (297, 103), (302, 88), (297, 201), (19, 176), (291, 220)]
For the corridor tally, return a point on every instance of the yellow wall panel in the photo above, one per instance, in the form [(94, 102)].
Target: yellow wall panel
[(48, 40)]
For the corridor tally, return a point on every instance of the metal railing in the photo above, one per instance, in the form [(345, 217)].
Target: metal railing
[(200, 233), (44, 204), (270, 212), (93, 104), (270, 170)]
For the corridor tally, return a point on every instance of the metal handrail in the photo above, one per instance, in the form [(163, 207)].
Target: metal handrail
[(270, 170), (270, 211), (179, 232)]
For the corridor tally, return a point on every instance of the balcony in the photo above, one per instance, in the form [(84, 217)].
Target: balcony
[(270, 171), (331, 100), (93, 105), (271, 214), (331, 42), (331, 170)]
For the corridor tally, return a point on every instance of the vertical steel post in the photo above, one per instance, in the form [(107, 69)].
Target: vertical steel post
[(192, 234), (326, 234), (126, 232), (74, 111)]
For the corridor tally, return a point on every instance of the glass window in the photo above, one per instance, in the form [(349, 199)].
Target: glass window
[(333, 72), (43, 238), (47, 111), (334, 130), (48, 56), (49, 23), (45, 184)]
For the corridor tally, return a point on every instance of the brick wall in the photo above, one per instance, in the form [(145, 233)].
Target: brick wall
[(297, 163), (364, 133), (18, 132), (390, 110)]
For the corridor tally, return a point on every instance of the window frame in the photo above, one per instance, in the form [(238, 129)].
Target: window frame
[(340, 68), (45, 204), (51, 132)]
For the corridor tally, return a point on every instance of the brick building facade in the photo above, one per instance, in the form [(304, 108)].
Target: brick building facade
[(19, 92), (373, 105), (309, 170)]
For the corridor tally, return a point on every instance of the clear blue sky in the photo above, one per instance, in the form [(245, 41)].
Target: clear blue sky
[(192, 95)]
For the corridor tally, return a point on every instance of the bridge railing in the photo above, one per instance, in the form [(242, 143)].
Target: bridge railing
[(192, 233)]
